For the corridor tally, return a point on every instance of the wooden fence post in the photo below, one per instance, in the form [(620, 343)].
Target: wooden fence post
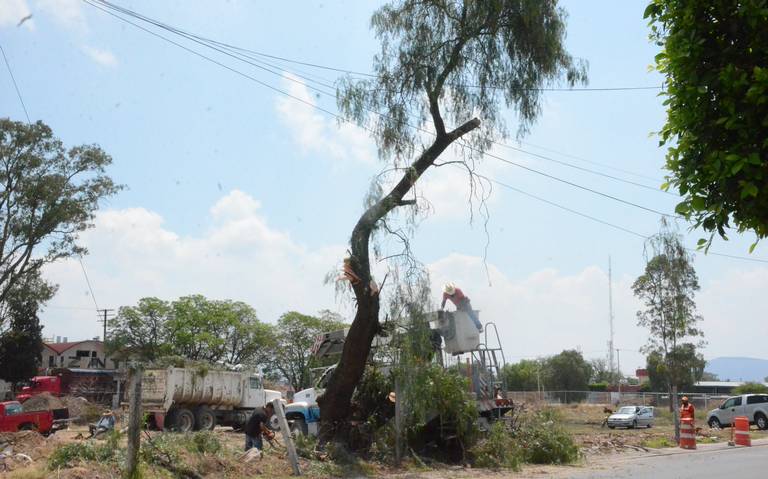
[(134, 422), (292, 456)]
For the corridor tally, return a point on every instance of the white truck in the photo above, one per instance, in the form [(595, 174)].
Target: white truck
[(189, 399), (753, 406)]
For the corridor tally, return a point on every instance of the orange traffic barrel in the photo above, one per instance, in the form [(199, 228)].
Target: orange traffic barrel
[(687, 434), (742, 431)]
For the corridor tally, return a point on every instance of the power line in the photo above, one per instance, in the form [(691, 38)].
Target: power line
[(179, 32), (88, 281), (15, 85)]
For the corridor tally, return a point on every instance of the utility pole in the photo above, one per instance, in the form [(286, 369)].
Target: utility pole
[(610, 316), (104, 313), (618, 370)]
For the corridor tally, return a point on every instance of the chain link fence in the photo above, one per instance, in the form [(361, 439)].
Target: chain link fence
[(700, 401)]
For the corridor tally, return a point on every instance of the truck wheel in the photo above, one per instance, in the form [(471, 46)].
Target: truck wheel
[(714, 423), (761, 421), (205, 419), (299, 428), (27, 427), (181, 420)]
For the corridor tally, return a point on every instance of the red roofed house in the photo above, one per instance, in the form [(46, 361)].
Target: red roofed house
[(88, 354)]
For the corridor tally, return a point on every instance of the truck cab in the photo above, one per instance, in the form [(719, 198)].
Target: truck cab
[(753, 406), (40, 384), (13, 418)]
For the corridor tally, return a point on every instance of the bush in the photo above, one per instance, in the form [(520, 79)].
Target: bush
[(750, 388), (73, 453), (598, 387), (498, 450), (543, 441), (204, 442)]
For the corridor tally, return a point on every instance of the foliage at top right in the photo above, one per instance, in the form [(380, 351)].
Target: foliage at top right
[(714, 56)]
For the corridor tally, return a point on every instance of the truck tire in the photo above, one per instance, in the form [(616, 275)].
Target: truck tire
[(299, 428), (761, 421), (714, 423), (27, 426), (205, 419), (180, 420)]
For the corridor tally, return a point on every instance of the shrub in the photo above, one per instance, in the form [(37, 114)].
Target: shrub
[(750, 388), (204, 442), (73, 453), (498, 450), (543, 441), (598, 386)]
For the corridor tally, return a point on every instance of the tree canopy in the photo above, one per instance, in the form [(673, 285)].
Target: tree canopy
[(713, 56), (49, 195)]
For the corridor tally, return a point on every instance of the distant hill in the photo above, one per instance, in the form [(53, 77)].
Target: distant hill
[(738, 369)]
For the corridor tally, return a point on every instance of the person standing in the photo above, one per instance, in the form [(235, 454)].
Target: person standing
[(686, 409), (257, 425), (461, 301)]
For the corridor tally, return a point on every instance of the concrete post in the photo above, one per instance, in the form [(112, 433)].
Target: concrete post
[(134, 422)]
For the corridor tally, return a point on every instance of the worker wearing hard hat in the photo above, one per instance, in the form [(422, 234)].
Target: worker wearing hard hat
[(461, 301), (686, 409)]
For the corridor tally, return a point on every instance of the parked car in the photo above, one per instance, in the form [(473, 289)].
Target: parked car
[(631, 417), (753, 406), (13, 418)]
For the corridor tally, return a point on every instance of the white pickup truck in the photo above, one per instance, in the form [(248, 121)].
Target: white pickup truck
[(753, 406)]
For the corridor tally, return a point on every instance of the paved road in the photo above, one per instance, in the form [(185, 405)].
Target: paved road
[(708, 463)]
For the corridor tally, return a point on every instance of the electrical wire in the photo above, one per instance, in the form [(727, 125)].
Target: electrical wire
[(198, 40), (15, 85)]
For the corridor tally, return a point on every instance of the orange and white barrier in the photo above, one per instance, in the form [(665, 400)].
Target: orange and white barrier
[(741, 432), (687, 434)]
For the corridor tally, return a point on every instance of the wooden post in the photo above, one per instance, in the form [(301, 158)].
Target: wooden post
[(292, 456), (134, 422), (398, 423)]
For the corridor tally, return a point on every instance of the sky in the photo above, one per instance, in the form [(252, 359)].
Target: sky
[(236, 191)]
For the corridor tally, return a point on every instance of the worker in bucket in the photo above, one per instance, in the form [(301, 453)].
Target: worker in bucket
[(257, 425), (686, 409), (461, 301)]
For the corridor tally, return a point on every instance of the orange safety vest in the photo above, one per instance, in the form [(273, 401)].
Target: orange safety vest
[(687, 411)]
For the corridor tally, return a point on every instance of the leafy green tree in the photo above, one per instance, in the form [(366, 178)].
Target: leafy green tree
[(440, 62), (21, 343), (525, 375), (48, 196), (140, 331), (751, 388), (193, 327), (290, 354), (713, 56), (601, 372), (684, 367), (667, 289), (568, 371)]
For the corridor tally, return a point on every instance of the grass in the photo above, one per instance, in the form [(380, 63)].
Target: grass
[(658, 443)]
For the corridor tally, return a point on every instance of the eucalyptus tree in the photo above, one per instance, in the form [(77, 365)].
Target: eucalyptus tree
[(667, 289), (441, 63)]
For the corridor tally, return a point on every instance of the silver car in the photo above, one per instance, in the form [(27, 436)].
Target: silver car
[(631, 417)]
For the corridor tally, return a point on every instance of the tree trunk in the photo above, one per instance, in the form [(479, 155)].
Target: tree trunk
[(335, 402), (676, 412)]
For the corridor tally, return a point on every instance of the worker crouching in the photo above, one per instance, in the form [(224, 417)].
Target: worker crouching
[(257, 426)]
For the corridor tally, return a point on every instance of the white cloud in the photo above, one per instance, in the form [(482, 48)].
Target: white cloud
[(68, 13), (133, 255), (13, 11), (316, 133), (548, 311), (102, 57)]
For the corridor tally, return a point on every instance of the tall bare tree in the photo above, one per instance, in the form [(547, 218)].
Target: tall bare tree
[(441, 62)]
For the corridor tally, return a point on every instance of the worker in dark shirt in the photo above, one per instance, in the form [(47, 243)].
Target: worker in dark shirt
[(461, 301), (256, 425)]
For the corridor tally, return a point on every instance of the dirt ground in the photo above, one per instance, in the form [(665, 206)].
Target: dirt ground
[(583, 421)]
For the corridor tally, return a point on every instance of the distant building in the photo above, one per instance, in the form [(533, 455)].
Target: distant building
[(642, 376), (88, 354), (717, 387)]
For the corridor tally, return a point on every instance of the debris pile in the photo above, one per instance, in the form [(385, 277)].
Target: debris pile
[(42, 402), (20, 449)]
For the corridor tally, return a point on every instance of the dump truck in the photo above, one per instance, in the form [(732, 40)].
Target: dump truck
[(459, 344), (95, 385), (191, 399)]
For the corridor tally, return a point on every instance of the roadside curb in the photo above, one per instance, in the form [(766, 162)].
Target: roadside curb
[(703, 448)]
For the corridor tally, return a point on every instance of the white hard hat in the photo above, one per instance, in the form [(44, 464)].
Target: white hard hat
[(449, 288)]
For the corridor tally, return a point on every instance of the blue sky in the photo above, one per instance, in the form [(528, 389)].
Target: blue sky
[(236, 191)]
